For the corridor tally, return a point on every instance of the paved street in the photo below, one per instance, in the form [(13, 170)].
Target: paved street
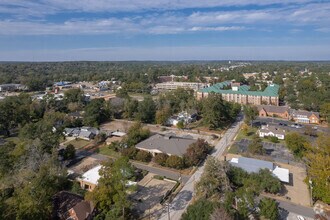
[(183, 198)]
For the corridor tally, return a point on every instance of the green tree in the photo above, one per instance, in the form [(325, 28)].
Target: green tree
[(162, 115), (297, 144), (111, 194), (130, 108), (325, 111), (269, 208), (255, 147), (250, 113), (215, 111), (74, 96), (96, 112), (214, 181), (200, 210), (69, 152), (180, 125), (135, 134), (146, 110)]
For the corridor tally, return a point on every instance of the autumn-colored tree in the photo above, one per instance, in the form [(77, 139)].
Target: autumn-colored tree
[(318, 162), (196, 152), (297, 144), (174, 161), (161, 159)]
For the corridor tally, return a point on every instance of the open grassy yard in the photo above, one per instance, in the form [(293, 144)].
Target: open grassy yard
[(249, 135), (78, 143), (105, 150)]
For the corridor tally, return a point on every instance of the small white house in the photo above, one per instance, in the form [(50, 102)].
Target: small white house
[(271, 131)]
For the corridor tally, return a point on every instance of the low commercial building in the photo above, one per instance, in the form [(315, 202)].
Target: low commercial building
[(166, 86), (271, 131), (274, 111), (166, 144), (251, 165), (307, 117), (234, 92)]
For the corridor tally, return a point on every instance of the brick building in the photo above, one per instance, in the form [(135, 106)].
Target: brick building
[(274, 111), (234, 92)]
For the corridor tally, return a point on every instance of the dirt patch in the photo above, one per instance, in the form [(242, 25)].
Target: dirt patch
[(117, 125), (85, 165)]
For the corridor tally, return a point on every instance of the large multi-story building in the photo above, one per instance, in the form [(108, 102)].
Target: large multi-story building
[(235, 92), (175, 85)]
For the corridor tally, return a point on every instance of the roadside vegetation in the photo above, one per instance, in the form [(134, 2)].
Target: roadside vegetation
[(231, 192)]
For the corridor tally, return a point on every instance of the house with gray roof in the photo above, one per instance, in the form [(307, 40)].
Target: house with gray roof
[(85, 133), (167, 144), (252, 165)]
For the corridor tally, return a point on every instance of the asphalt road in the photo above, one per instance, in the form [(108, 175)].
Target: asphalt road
[(180, 203), (297, 209)]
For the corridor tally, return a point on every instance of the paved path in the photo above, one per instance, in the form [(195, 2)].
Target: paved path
[(183, 198)]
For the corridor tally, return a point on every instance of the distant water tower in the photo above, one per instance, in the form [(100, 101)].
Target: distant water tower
[(229, 62)]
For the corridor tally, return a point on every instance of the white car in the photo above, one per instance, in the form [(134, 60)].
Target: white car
[(299, 217)]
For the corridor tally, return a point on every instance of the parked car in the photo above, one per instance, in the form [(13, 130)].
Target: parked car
[(296, 125), (299, 217)]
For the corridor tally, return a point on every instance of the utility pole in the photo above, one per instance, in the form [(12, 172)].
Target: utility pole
[(311, 189)]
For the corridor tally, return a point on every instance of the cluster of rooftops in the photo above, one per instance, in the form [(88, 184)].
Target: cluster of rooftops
[(271, 90)]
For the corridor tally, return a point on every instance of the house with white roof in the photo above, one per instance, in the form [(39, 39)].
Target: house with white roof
[(271, 131), (90, 179)]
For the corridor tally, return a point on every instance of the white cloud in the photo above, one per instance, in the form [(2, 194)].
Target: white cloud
[(51, 6), (159, 22)]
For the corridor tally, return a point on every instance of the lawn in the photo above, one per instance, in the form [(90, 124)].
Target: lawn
[(105, 150), (249, 135), (78, 143)]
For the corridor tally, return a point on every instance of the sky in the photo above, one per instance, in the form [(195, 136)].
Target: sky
[(115, 30)]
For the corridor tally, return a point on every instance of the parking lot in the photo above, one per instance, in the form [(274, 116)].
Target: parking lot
[(288, 124), (277, 152), (150, 193)]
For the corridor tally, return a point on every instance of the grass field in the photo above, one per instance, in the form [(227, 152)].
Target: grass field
[(78, 143), (105, 150)]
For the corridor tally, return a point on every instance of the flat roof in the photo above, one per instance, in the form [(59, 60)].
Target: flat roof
[(282, 173)]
